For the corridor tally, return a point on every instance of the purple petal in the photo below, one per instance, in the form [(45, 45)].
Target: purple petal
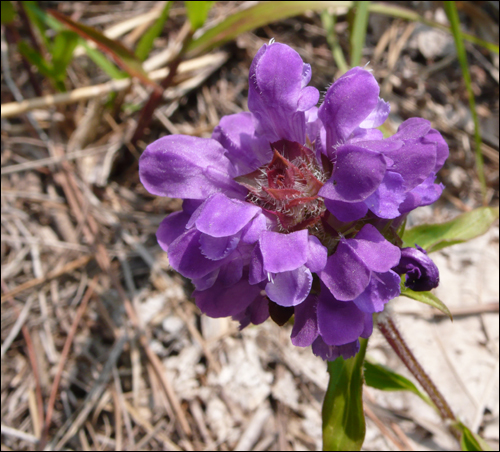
[(305, 326), (443, 151), (284, 252), (422, 273), (252, 231), (290, 288), (316, 255), (338, 322), (332, 352), (221, 216), (347, 211), (232, 271), (180, 166), (383, 287), (221, 301), (347, 103), (345, 274), (171, 228), (207, 281), (257, 272), (185, 256), (358, 173), (217, 248), (414, 161), (412, 129), (424, 194), (368, 327), (360, 134), (313, 123), (276, 79), (378, 115), (374, 250), (244, 149), (385, 201), (382, 146)]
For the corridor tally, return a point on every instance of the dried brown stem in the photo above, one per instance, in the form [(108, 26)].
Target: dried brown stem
[(391, 333)]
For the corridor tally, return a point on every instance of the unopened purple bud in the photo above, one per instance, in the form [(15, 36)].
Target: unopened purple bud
[(421, 273)]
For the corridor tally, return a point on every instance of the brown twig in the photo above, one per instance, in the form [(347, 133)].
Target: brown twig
[(68, 268), (391, 333), (64, 355)]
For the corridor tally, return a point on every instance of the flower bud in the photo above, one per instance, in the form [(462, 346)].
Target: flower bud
[(421, 273)]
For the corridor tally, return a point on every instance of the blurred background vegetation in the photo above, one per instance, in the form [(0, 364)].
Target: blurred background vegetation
[(85, 87)]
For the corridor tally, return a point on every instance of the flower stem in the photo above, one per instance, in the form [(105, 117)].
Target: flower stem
[(391, 333)]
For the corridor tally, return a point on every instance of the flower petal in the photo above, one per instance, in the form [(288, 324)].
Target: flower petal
[(221, 216), (276, 79), (305, 325), (348, 102), (290, 288), (346, 211), (383, 287), (284, 252), (217, 248), (221, 301), (345, 274), (338, 322), (378, 115), (422, 273), (185, 256), (422, 195), (171, 228), (358, 173), (332, 352), (180, 166), (374, 250), (244, 149), (317, 255), (385, 201)]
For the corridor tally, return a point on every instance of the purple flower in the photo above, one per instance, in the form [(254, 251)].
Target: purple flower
[(288, 191), (421, 273)]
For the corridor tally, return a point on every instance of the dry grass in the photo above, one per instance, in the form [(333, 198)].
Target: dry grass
[(101, 347)]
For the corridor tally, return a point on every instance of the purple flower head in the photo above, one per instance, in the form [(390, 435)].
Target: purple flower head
[(284, 205), (421, 273)]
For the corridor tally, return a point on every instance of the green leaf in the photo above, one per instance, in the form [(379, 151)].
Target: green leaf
[(427, 298), (256, 16), (62, 52), (100, 60), (8, 12), (470, 440), (36, 17), (359, 32), (122, 56), (36, 59), (381, 377), (343, 417), (328, 20), (452, 13), (197, 13), (147, 39), (433, 237)]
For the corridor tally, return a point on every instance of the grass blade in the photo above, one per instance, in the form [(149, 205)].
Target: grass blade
[(328, 18), (197, 13), (146, 42), (358, 35), (452, 13)]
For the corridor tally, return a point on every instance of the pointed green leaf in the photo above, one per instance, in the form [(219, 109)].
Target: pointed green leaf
[(62, 52), (328, 20), (122, 56), (197, 13), (36, 17), (147, 39), (104, 63), (256, 16), (427, 298), (343, 417), (381, 377), (35, 59), (359, 32), (470, 440), (8, 12), (433, 237)]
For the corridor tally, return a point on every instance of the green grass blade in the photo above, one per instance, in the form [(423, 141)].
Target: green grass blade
[(100, 60), (328, 19), (62, 52), (452, 13), (256, 16), (197, 13), (358, 35), (408, 14), (8, 12), (147, 39)]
